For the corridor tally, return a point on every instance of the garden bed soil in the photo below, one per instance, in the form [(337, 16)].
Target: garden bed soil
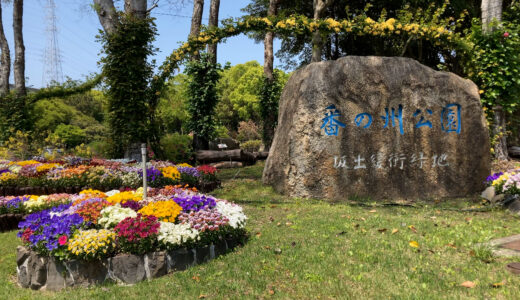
[(48, 273)]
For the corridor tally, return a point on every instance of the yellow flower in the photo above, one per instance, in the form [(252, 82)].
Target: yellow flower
[(267, 21), (163, 210)]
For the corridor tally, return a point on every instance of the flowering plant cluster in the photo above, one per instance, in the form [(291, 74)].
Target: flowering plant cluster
[(96, 173), (505, 182), (164, 210), (137, 235), (94, 224), (92, 243)]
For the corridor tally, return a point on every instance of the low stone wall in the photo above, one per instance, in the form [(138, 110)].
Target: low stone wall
[(47, 273), (10, 221)]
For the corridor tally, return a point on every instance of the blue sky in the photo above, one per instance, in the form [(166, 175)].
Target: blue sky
[(78, 25)]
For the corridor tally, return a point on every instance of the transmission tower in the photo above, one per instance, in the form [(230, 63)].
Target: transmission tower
[(52, 71)]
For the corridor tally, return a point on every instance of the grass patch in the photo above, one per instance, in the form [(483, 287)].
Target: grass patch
[(328, 250)]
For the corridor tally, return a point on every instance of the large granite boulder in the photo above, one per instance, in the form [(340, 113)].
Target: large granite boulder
[(378, 127)]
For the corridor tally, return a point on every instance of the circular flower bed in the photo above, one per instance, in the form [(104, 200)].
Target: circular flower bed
[(116, 232)]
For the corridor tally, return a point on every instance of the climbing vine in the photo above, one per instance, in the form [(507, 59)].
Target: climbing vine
[(202, 99), (128, 73)]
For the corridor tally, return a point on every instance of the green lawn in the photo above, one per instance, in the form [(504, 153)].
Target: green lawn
[(328, 250)]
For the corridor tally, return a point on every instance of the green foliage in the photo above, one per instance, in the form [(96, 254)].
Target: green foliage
[(71, 135), (296, 48), (172, 111), (14, 116), (221, 131), (84, 111), (248, 131), (251, 145), (241, 88), (101, 148), (177, 147), (494, 64), (203, 77), (128, 74), (271, 92)]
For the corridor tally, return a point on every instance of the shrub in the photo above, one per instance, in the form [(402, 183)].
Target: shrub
[(177, 147), (71, 135), (251, 146), (247, 131), (101, 148)]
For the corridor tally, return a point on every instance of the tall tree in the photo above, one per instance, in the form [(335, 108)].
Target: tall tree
[(317, 40), (491, 11), (107, 15), (270, 96), (127, 45), (5, 60), (19, 48), (196, 20), (213, 22), (268, 43)]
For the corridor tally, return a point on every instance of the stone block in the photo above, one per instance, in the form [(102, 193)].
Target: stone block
[(128, 268), (378, 128)]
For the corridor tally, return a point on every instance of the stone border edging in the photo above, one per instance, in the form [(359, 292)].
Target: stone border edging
[(47, 273), (10, 221), (496, 244)]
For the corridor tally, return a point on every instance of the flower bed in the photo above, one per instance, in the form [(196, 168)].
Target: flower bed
[(73, 174), (95, 237), (503, 189)]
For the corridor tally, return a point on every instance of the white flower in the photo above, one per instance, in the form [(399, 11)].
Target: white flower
[(131, 179), (176, 234), (34, 203), (237, 218), (112, 193), (112, 215)]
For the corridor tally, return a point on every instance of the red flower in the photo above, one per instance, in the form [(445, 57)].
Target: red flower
[(506, 34), (62, 240)]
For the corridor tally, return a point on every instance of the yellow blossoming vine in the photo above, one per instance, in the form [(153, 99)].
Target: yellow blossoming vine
[(442, 31)]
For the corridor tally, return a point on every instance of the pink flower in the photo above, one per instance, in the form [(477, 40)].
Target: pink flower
[(506, 34), (62, 240)]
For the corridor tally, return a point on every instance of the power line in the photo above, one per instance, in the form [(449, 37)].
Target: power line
[(175, 15)]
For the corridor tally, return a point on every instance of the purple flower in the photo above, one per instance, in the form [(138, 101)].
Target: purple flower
[(15, 203), (151, 174), (189, 171), (134, 205), (493, 177), (195, 202), (48, 226)]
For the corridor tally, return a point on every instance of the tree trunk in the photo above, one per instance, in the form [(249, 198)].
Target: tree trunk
[(5, 60), (107, 15), (19, 49), (268, 43), (491, 10), (213, 22), (499, 132), (196, 20), (209, 156), (136, 8), (317, 39)]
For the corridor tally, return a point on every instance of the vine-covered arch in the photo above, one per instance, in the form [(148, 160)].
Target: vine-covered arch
[(442, 31)]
